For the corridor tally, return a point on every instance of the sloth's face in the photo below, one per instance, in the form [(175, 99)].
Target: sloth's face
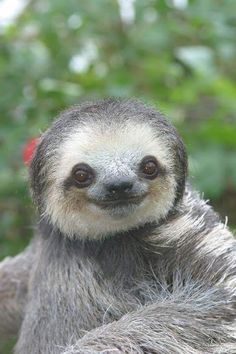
[(118, 185), (110, 178)]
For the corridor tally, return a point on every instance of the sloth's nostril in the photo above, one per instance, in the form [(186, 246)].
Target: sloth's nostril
[(120, 187)]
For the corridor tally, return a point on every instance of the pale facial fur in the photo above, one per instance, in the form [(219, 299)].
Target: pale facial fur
[(112, 151)]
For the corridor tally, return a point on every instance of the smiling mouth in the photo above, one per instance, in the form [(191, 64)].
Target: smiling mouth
[(121, 202)]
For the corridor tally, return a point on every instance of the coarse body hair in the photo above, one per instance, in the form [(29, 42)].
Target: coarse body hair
[(154, 276)]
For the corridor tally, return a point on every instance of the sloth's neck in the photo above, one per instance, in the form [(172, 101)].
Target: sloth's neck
[(127, 253)]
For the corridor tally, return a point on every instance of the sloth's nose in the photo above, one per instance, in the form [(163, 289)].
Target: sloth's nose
[(119, 189)]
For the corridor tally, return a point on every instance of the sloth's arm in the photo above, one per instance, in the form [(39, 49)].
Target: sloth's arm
[(14, 275), (187, 323)]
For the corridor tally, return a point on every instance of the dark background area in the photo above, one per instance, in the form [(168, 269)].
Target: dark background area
[(177, 55)]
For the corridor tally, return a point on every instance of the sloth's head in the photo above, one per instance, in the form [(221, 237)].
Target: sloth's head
[(107, 167)]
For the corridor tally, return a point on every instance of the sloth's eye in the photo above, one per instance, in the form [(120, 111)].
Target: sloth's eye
[(83, 175), (149, 167)]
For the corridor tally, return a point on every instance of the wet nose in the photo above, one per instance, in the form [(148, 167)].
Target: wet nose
[(119, 188)]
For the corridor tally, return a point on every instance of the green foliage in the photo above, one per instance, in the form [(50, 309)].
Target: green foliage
[(60, 52)]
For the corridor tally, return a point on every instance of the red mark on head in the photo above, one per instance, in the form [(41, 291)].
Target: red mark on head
[(29, 150)]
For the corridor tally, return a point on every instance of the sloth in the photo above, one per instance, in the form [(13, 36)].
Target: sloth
[(128, 258)]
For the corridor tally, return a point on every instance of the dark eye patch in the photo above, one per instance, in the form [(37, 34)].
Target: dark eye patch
[(150, 168), (82, 176)]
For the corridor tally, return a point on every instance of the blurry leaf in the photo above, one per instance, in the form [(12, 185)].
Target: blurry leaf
[(205, 171), (198, 58)]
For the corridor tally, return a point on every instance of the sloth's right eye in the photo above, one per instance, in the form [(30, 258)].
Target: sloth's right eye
[(83, 175)]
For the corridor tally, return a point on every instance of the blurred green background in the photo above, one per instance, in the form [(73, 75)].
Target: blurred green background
[(178, 55)]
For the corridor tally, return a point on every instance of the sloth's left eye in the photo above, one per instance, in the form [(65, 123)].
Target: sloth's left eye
[(83, 175), (149, 167)]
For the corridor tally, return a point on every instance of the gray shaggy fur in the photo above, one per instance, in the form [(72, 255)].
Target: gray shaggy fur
[(14, 276), (164, 287)]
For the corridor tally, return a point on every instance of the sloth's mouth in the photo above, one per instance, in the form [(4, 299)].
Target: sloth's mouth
[(118, 202)]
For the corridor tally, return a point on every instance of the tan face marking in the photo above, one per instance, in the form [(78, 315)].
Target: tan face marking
[(110, 151)]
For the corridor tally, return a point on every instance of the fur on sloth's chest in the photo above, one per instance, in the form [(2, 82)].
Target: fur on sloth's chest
[(119, 259), (102, 279), (116, 281), (124, 267), (92, 283)]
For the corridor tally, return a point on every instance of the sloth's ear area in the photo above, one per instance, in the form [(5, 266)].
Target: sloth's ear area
[(29, 150), (181, 168)]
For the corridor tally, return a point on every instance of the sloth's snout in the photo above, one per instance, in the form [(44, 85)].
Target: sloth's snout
[(120, 192), (119, 189)]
